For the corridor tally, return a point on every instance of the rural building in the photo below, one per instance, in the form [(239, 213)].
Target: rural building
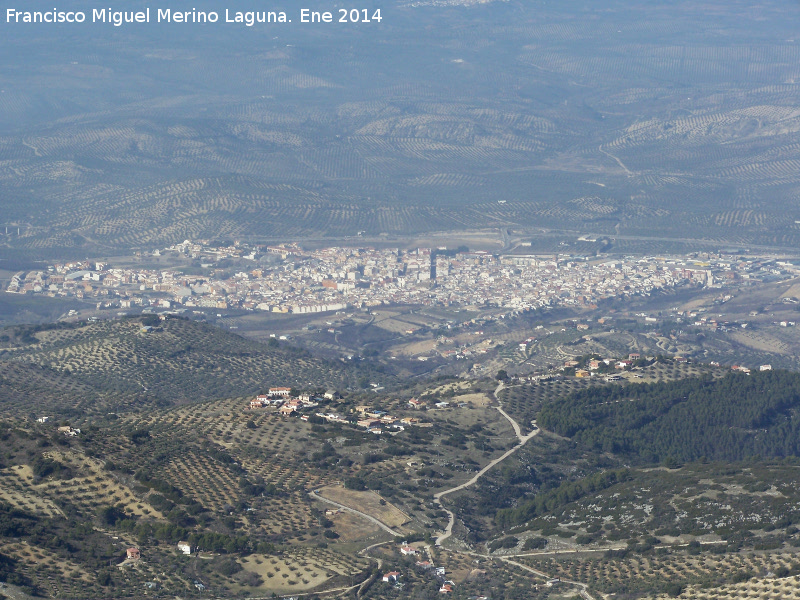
[(280, 391), (133, 554), (184, 547), (391, 576), (67, 430), (407, 550)]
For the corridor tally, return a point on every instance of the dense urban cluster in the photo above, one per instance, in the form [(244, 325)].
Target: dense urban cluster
[(288, 279)]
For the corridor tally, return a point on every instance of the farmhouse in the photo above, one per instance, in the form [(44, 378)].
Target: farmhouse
[(67, 430), (184, 547), (391, 576), (133, 554), (280, 391), (407, 550)]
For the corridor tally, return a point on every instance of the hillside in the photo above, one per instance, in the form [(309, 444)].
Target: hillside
[(113, 366), (736, 417)]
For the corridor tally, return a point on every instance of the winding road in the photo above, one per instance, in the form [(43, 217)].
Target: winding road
[(523, 439), (584, 589), (380, 524)]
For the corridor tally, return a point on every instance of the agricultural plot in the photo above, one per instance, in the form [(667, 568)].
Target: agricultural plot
[(523, 402), (284, 516), (367, 502), (113, 365), (711, 575), (304, 569), (289, 476), (204, 479), (92, 489), (772, 587), (57, 576), (352, 528), (15, 493)]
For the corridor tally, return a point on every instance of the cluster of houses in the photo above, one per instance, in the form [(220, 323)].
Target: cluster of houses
[(447, 586), (375, 421), (65, 429), (69, 431), (282, 398), (595, 364)]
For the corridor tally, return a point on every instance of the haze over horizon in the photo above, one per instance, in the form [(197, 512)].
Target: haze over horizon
[(630, 119)]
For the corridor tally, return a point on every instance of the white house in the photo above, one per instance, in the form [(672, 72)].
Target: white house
[(184, 547)]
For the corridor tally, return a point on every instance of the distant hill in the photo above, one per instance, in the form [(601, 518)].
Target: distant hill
[(121, 365), (622, 119)]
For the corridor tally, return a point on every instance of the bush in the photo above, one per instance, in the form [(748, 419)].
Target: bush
[(228, 567), (674, 589), (506, 542), (534, 543)]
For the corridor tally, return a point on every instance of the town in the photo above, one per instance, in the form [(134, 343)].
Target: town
[(289, 279)]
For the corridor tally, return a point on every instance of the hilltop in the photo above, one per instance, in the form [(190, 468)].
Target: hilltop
[(118, 365)]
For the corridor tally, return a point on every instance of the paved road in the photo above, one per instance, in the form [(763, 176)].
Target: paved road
[(380, 524), (523, 439)]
